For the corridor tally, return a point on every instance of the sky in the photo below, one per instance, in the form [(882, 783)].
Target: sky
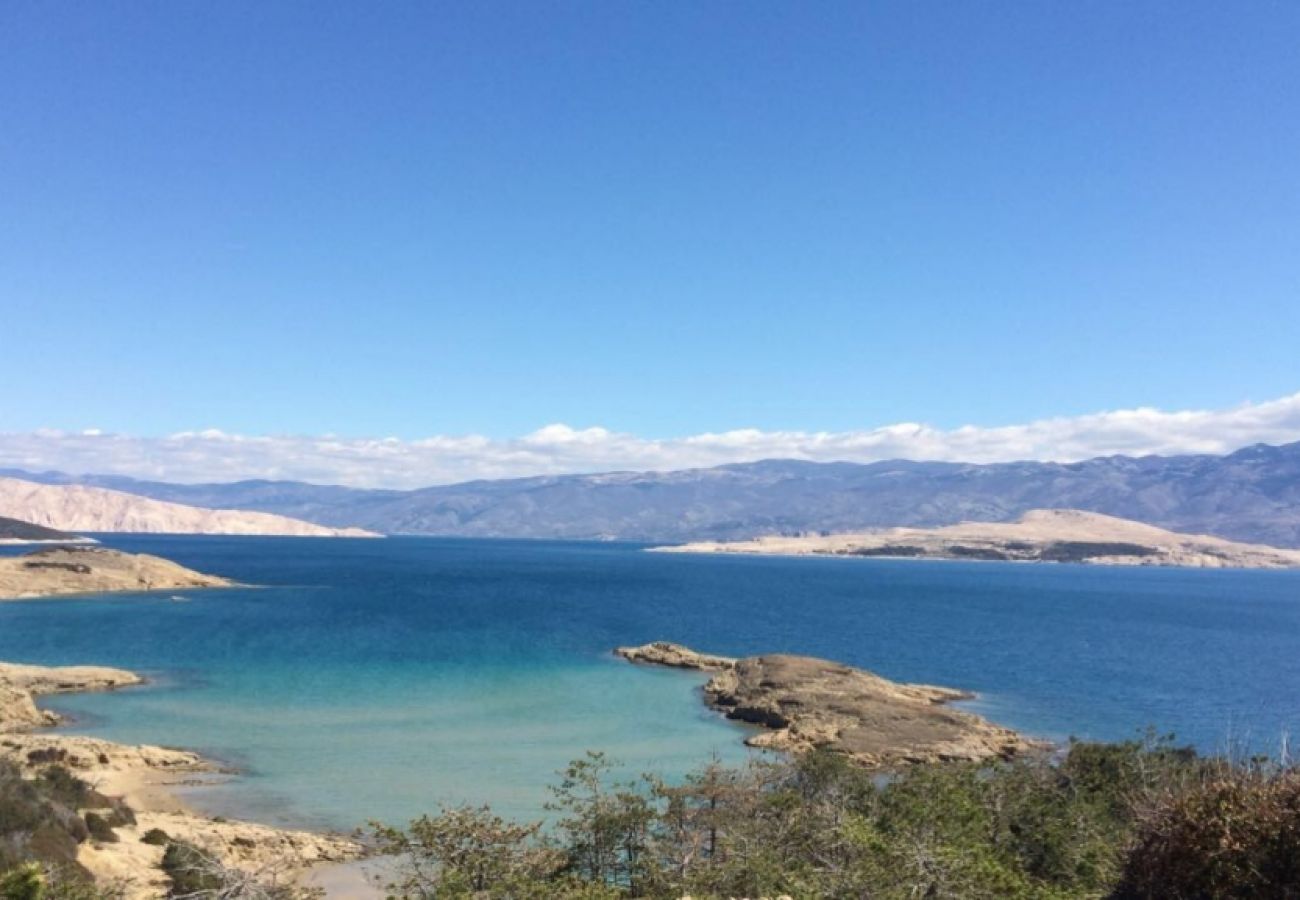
[(624, 232)]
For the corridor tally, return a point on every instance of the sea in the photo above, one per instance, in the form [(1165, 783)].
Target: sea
[(359, 680)]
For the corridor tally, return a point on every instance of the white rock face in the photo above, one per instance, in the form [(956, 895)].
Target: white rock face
[(79, 508)]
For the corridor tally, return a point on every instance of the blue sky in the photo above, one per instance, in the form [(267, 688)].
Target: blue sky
[(417, 219)]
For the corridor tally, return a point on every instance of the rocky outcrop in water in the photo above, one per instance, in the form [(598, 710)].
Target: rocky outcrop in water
[(84, 570), (19, 684), (805, 703), (666, 653)]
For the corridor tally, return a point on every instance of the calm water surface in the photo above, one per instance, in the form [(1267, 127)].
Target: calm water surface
[(378, 678)]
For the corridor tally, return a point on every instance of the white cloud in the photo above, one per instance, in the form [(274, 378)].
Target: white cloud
[(214, 455)]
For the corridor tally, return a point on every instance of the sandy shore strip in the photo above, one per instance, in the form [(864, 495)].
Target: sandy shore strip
[(145, 777)]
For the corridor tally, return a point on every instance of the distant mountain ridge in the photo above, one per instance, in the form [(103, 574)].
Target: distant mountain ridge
[(1251, 495)]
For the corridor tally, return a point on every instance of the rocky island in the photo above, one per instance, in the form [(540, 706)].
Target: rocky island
[(63, 571), (1041, 535), (805, 703)]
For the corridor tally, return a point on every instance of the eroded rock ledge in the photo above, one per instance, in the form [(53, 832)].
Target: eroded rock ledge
[(19, 684), (807, 703)]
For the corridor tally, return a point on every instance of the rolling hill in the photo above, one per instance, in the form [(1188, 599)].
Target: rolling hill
[(83, 508)]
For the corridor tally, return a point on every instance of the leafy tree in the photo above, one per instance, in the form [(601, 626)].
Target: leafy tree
[(467, 851), (604, 826)]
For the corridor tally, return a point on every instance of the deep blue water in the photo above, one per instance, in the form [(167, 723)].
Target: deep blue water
[(376, 678)]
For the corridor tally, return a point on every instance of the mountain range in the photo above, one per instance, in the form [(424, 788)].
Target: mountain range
[(1250, 495)]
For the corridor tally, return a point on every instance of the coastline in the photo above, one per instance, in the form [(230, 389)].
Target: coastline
[(1066, 536), (147, 779)]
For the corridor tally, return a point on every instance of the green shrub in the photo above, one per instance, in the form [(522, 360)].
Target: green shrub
[(155, 836), (35, 824), (99, 828), (1235, 834), (26, 882), (190, 869), (63, 787), (32, 881), (119, 814)]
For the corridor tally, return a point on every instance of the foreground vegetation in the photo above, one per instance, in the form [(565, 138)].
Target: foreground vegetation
[(41, 828), (1135, 820), (44, 821), (1143, 819)]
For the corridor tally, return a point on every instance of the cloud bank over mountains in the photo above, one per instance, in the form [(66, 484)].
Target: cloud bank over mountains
[(213, 455)]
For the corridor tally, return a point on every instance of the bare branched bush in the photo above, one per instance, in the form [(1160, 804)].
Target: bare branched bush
[(199, 875)]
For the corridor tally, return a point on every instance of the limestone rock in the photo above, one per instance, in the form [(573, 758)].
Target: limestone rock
[(805, 703), (665, 653), (82, 570)]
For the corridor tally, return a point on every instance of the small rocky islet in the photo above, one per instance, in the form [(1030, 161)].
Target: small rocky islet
[(805, 703), (58, 571)]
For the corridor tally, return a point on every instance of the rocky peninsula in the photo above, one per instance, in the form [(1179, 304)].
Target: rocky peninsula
[(16, 531), (1041, 535), (143, 779), (64, 571), (805, 703)]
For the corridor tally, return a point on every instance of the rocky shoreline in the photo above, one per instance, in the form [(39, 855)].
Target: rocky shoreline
[(804, 703), (144, 778)]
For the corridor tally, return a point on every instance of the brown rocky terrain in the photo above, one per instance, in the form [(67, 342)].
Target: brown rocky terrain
[(86, 570), (1041, 535), (805, 703)]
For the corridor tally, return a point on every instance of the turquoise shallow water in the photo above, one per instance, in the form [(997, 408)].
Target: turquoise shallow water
[(375, 679)]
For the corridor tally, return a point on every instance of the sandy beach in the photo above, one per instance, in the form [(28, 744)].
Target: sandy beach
[(147, 777)]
